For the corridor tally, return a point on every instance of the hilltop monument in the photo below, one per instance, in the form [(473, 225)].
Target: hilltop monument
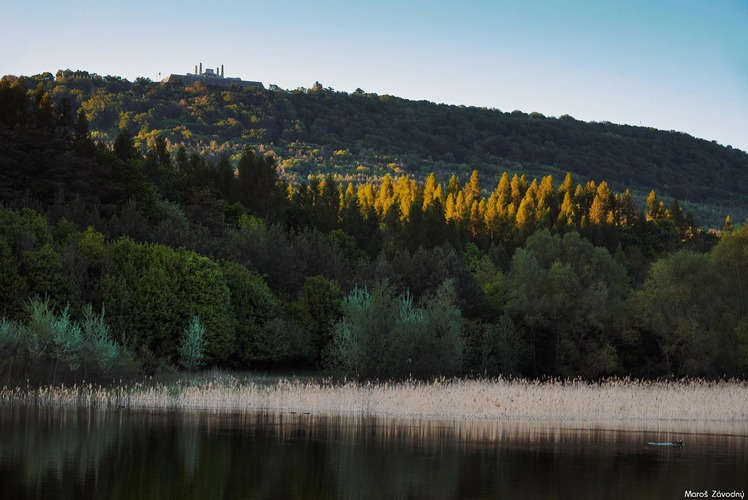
[(210, 77)]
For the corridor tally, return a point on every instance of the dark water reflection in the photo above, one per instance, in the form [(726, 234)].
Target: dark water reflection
[(70, 453)]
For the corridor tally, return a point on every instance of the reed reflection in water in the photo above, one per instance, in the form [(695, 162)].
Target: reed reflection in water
[(89, 453)]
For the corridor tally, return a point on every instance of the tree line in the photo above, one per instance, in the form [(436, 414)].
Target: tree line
[(168, 258), (363, 134)]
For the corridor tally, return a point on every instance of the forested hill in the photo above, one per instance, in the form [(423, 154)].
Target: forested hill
[(196, 259), (364, 135)]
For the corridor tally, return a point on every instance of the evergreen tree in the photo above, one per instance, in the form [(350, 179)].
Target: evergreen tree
[(259, 187), (327, 207), (12, 285), (14, 104), (124, 147), (43, 113), (82, 143), (64, 116)]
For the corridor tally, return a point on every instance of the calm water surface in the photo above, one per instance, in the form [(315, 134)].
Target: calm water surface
[(70, 453)]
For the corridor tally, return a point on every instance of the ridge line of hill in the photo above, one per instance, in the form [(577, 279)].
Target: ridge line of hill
[(358, 136)]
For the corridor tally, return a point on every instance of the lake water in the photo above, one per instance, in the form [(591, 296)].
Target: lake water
[(71, 453)]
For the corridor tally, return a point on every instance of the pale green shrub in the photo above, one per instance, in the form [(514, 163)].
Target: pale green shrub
[(52, 338), (52, 344), (192, 346), (99, 351), (381, 335)]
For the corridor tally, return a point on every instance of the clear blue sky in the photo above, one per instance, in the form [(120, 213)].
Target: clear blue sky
[(671, 64)]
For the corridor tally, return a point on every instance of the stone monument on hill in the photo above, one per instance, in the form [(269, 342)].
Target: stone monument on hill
[(210, 77)]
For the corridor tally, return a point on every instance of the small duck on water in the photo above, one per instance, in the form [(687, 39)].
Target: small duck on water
[(678, 443)]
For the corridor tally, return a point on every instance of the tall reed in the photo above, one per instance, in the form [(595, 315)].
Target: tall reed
[(614, 400)]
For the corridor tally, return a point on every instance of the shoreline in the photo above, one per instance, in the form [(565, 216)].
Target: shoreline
[(619, 402)]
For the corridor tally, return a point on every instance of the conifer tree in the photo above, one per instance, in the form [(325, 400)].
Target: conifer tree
[(567, 186), (12, 285), (475, 223), (258, 185), (124, 147), (434, 223), (625, 210), (526, 215), (655, 209), (64, 119), (566, 216), (503, 191), (43, 113), (385, 196), (518, 187), (676, 215), (82, 142), (454, 186), (429, 190), (14, 103), (366, 196), (547, 193), (601, 204), (406, 193), (328, 205), (472, 188)]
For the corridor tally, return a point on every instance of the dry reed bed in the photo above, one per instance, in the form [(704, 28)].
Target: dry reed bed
[(617, 400)]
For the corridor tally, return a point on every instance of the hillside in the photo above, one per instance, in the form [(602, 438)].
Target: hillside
[(361, 136), (200, 261)]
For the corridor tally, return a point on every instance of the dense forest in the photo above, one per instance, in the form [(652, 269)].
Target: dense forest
[(122, 254), (363, 136)]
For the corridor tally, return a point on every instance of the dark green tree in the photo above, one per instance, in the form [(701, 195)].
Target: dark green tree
[(253, 305), (14, 103), (503, 348), (565, 293), (12, 284), (258, 186), (203, 292), (679, 306), (81, 140), (730, 265), (320, 299), (44, 278), (124, 147)]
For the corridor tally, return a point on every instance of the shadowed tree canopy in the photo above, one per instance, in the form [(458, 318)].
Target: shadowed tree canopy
[(258, 187)]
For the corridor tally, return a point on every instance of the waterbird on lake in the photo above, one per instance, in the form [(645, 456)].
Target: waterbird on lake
[(678, 443)]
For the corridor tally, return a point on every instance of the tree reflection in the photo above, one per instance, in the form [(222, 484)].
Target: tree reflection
[(62, 452)]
